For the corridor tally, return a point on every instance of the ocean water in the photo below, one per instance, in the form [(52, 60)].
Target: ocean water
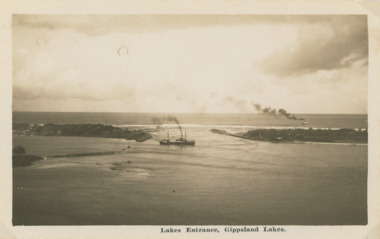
[(222, 180), (193, 120)]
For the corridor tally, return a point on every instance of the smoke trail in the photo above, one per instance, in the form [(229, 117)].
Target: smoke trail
[(168, 118), (273, 112), (156, 121), (286, 114), (174, 119), (257, 107)]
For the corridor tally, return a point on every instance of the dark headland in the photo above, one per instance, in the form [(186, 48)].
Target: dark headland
[(24, 160), (303, 135), (81, 130)]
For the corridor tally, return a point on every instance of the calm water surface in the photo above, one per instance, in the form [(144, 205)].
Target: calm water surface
[(221, 181)]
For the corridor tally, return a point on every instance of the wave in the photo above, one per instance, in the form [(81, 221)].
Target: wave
[(337, 143)]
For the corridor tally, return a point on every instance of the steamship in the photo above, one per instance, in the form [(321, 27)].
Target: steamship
[(179, 141)]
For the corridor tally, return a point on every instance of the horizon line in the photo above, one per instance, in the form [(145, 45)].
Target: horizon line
[(105, 112)]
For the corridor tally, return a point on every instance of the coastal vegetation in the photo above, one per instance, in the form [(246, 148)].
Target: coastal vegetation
[(303, 135), (21, 160), (83, 130), (24, 160), (19, 149)]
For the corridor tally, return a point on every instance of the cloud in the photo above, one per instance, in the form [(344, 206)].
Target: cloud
[(168, 69), (93, 25), (106, 24), (55, 73), (324, 45), (113, 92)]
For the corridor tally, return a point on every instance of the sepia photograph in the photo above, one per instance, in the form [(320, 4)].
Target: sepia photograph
[(200, 119)]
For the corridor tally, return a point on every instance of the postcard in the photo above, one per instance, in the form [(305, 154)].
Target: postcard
[(210, 120)]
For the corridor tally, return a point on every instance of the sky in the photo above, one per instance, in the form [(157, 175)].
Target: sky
[(190, 63)]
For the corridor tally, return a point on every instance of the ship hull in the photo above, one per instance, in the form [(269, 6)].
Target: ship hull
[(181, 143)]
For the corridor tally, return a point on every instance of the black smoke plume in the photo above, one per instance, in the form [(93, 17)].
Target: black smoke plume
[(157, 121), (257, 107), (167, 118), (174, 119), (286, 114), (273, 112)]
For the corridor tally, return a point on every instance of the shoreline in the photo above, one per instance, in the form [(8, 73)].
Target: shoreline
[(154, 126), (80, 130), (28, 160), (167, 181), (24, 160), (303, 136)]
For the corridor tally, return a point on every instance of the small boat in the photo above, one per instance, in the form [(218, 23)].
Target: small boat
[(179, 141)]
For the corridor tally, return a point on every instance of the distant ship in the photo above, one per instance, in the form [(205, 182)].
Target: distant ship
[(179, 141)]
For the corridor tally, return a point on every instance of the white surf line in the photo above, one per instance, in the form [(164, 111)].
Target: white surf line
[(337, 143), (225, 126)]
